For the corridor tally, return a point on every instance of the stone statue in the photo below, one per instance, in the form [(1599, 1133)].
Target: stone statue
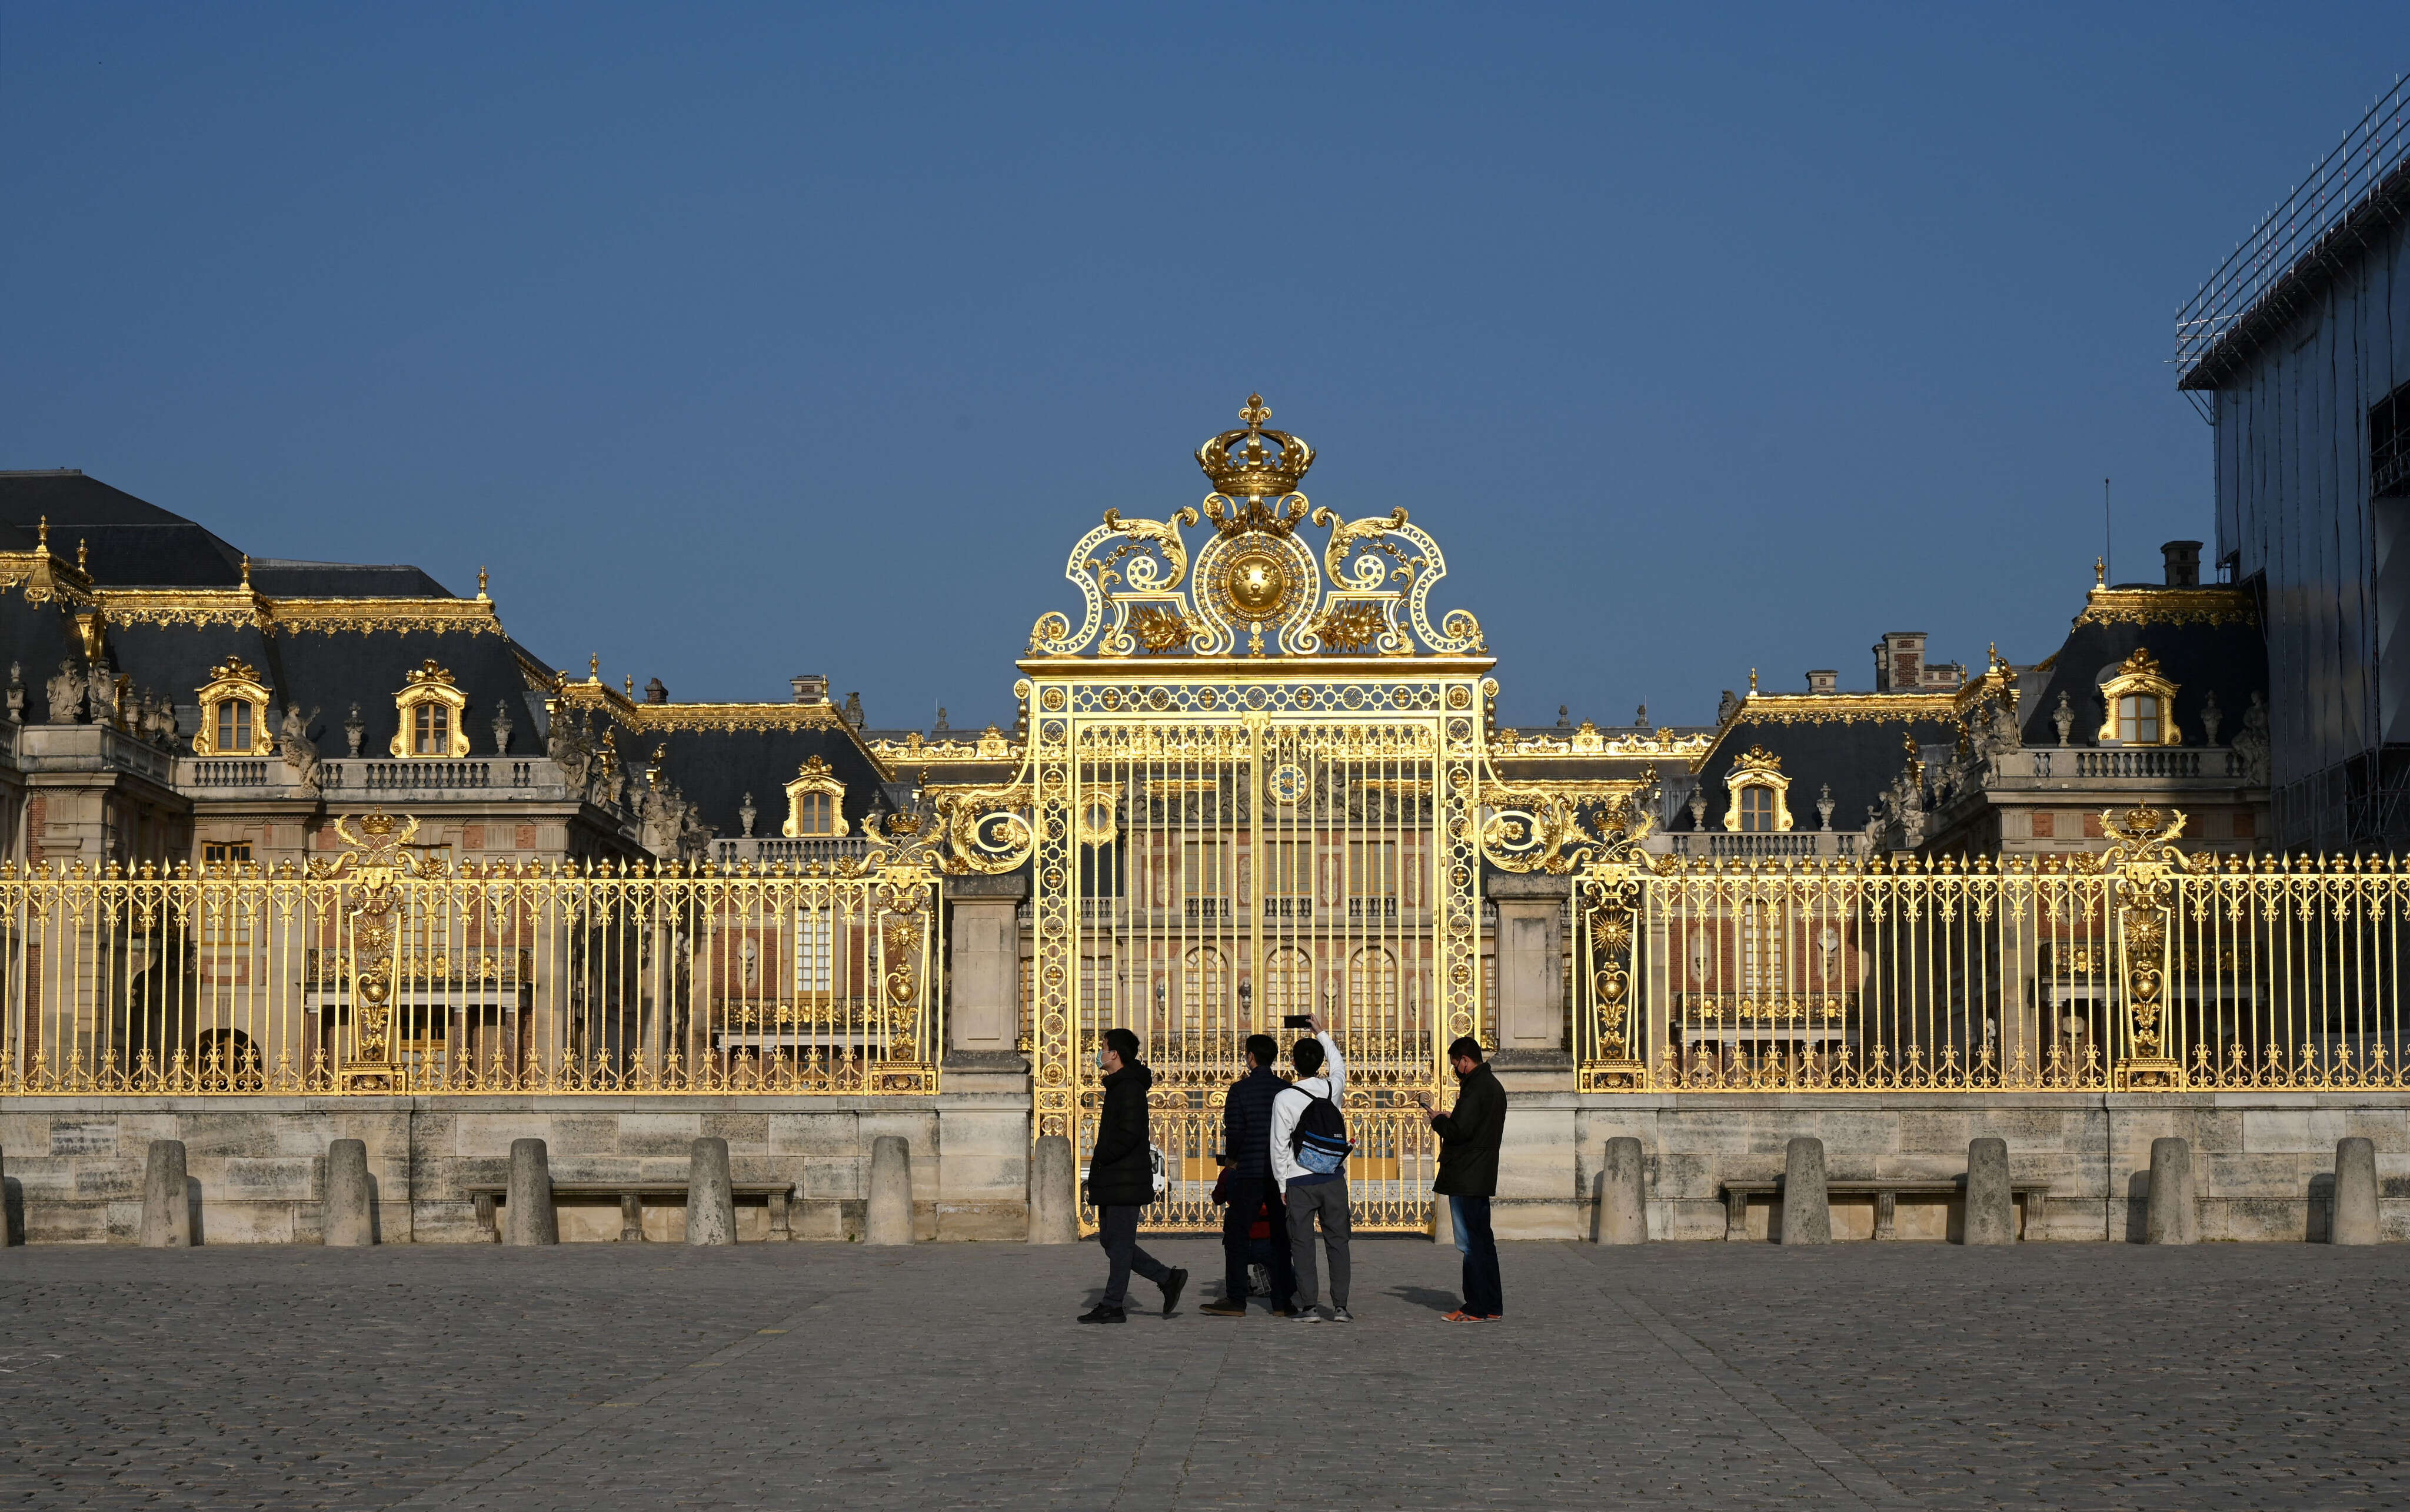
[(355, 729), (66, 693), (1825, 809), (16, 693), (2064, 717), (103, 692), (1698, 809), (2250, 742), (853, 710), (1640, 720), (293, 743), (571, 749), (1564, 717), (941, 718), (2211, 717), (501, 727), (1725, 706), (747, 814)]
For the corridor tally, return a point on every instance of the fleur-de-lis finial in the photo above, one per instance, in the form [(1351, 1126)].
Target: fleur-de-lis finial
[(1257, 411)]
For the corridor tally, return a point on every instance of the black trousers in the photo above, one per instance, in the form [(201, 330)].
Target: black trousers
[(1247, 1196), (1484, 1291), (1117, 1230)]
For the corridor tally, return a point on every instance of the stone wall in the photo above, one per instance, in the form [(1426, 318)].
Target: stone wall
[(76, 1163), (2265, 1159)]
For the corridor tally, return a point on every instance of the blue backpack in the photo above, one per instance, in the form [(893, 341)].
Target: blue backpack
[(1320, 1141)]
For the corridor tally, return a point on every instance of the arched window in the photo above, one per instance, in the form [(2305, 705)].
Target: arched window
[(1204, 990), (815, 803), (1760, 794), (1757, 810), (430, 705), (1289, 985), (1372, 989), (2140, 704), (2138, 718), (234, 713)]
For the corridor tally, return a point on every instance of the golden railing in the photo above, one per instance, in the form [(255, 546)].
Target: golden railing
[(372, 973), (2146, 968)]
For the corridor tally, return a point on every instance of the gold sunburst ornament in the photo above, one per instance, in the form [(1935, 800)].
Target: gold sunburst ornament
[(1259, 585)]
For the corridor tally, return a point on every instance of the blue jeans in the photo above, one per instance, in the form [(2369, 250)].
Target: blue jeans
[(1484, 1290)]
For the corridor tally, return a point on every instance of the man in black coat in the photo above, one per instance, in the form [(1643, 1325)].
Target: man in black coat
[(1468, 1177), (1246, 1145), (1121, 1180)]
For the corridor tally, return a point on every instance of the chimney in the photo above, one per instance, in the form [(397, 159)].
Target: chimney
[(1900, 662), (1824, 682), (655, 693), (2183, 563), (811, 688)]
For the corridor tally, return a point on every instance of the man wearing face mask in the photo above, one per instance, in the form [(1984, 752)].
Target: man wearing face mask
[(1121, 1181)]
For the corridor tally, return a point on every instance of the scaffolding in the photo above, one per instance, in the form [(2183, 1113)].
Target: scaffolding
[(2361, 186)]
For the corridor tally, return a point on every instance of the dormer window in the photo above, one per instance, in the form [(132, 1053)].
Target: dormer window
[(1761, 801), (2140, 703), (234, 713), (815, 803), (430, 705), (2138, 718)]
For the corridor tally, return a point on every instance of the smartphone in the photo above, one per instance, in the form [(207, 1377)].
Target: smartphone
[(1297, 1020)]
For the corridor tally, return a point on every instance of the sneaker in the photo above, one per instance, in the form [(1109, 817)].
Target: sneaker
[(1172, 1286), (1341, 1314), (1259, 1280), (1307, 1315), (1226, 1307), (1102, 1313), (1461, 1316)]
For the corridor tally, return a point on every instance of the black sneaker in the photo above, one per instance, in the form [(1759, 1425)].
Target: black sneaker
[(1226, 1307), (1172, 1286), (1102, 1313)]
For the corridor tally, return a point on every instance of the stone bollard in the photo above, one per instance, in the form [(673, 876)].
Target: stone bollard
[(710, 1200), (345, 1218), (527, 1216), (890, 1218), (1623, 1194), (1053, 1193), (2173, 1217), (167, 1200), (2354, 1220), (1807, 1210), (1991, 1207)]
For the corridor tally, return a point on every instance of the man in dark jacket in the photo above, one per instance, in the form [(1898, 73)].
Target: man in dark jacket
[(1247, 1144), (1468, 1176), (1121, 1180)]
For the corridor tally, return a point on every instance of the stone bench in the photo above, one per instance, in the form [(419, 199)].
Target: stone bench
[(2030, 1199), (632, 1196)]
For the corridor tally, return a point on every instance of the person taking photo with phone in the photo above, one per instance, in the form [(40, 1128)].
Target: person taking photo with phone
[(1468, 1176), (1309, 1150)]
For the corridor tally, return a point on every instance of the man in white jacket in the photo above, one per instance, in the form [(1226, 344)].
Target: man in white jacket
[(1320, 1073)]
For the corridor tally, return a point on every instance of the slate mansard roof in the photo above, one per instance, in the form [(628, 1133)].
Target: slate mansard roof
[(171, 598)]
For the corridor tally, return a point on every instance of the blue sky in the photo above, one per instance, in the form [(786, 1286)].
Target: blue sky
[(745, 341)]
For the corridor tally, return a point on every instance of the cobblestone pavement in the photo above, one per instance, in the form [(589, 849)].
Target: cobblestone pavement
[(618, 1377)]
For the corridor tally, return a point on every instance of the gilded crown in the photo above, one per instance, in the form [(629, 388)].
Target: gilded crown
[(1242, 466)]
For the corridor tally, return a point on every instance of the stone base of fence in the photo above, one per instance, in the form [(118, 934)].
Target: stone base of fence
[(2264, 1161), (261, 1161)]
